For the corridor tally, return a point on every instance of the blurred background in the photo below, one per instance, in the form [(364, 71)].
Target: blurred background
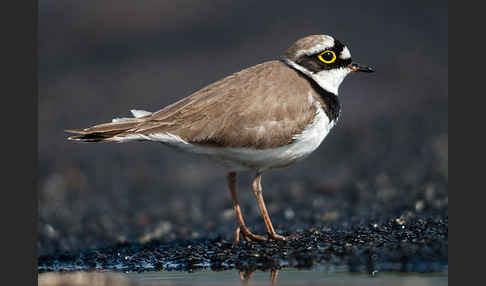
[(387, 156)]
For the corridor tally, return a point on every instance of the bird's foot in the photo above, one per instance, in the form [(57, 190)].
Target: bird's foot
[(278, 237), (247, 235)]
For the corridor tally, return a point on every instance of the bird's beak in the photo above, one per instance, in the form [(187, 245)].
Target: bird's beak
[(356, 67)]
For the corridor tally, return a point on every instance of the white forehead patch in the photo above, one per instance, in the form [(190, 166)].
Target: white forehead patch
[(326, 43), (345, 54)]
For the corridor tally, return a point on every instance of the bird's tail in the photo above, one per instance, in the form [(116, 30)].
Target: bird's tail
[(109, 132)]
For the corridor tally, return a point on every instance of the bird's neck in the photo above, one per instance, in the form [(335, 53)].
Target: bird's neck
[(331, 106)]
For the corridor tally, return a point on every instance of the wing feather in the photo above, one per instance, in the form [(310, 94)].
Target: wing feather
[(260, 107)]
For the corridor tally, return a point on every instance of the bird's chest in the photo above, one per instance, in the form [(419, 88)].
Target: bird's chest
[(303, 144), (312, 136)]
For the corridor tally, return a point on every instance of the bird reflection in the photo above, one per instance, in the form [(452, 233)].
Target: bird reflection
[(246, 275)]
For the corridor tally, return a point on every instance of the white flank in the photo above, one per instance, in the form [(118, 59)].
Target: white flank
[(239, 159)]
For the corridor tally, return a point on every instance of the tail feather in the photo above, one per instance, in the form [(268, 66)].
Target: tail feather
[(107, 132), (94, 137)]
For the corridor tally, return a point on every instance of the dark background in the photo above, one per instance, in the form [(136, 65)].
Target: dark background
[(387, 157)]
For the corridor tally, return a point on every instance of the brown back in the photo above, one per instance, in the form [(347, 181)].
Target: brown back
[(259, 107)]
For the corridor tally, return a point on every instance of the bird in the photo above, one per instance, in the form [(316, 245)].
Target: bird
[(263, 117)]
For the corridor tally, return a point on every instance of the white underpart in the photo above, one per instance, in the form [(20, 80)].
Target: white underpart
[(326, 43), (329, 80), (238, 159), (345, 54)]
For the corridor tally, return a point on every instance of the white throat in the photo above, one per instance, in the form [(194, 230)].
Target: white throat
[(329, 80)]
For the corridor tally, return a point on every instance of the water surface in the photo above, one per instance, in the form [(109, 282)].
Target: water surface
[(289, 276)]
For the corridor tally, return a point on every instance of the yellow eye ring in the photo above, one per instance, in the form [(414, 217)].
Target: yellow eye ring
[(327, 61)]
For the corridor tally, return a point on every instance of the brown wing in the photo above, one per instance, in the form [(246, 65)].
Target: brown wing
[(259, 107)]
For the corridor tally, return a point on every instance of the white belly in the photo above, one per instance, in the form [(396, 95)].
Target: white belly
[(238, 159)]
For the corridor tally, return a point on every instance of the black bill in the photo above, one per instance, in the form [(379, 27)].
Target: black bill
[(357, 67)]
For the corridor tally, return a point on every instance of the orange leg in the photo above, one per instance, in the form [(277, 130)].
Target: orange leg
[(257, 191), (241, 227)]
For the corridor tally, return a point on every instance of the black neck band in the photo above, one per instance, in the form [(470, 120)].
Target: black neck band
[(333, 107)]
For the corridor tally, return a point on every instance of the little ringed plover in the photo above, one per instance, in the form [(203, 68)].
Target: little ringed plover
[(266, 116)]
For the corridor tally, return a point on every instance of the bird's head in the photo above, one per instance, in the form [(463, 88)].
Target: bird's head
[(324, 59)]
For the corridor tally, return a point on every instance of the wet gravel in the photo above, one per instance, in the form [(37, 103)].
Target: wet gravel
[(400, 244)]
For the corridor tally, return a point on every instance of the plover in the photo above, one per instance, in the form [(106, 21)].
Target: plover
[(266, 116)]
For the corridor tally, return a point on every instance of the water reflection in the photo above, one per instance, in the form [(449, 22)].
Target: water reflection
[(287, 276), (246, 275)]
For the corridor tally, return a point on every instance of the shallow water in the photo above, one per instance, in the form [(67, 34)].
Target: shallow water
[(289, 276)]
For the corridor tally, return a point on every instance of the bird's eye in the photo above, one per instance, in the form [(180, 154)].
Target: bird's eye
[(327, 57)]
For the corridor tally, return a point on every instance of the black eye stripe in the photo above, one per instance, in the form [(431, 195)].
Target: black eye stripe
[(314, 64)]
